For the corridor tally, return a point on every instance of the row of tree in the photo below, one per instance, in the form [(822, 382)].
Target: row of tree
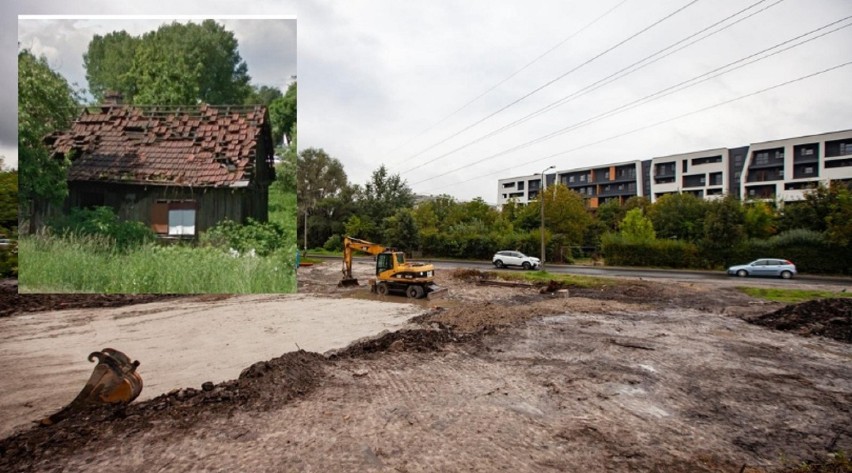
[(711, 233)]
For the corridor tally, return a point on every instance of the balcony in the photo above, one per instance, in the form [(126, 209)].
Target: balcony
[(767, 164)]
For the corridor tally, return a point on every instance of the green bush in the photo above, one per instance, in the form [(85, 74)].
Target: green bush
[(102, 221), (620, 251), (334, 243), (9, 262), (262, 237), (809, 250)]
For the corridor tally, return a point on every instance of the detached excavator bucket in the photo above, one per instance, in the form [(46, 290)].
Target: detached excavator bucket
[(114, 381), (436, 292), (347, 282)]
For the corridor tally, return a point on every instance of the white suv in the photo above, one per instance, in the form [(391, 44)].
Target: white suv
[(515, 258)]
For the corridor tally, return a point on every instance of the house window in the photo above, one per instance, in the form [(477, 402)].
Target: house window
[(174, 218), (181, 221), (570, 178)]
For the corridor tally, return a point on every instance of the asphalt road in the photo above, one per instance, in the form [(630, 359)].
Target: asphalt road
[(800, 279)]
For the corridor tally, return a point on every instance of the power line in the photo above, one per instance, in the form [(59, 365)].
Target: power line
[(636, 130), (539, 57), (660, 94), (620, 74), (557, 78)]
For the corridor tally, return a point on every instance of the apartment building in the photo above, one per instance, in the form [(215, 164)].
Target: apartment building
[(785, 169), (780, 169), (601, 184)]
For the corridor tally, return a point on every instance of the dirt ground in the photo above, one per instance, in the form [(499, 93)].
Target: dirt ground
[(636, 376)]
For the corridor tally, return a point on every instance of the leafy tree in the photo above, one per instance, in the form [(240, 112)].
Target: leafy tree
[(637, 202), (839, 219), (382, 196), (282, 115), (8, 202), (565, 214), (610, 214), (822, 210), (178, 64), (318, 176), (358, 227), (760, 220), (108, 61), (679, 216), (636, 227), (263, 95), (46, 103), (724, 228), (401, 231)]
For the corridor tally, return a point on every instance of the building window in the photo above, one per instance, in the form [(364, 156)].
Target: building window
[(507, 185), (809, 170), (685, 165), (521, 185), (807, 151), (182, 222), (570, 178), (582, 178), (174, 218)]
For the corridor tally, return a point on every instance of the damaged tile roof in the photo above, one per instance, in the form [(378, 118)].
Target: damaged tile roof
[(205, 146)]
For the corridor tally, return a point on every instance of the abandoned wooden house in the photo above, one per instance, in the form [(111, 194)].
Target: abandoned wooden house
[(179, 170)]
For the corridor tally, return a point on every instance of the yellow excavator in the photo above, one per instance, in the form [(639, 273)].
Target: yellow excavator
[(393, 273)]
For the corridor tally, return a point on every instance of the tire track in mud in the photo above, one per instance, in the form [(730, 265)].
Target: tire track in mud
[(583, 391)]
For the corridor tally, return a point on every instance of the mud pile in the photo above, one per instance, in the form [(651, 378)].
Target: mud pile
[(260, 387), (12, 303), (830, 318)]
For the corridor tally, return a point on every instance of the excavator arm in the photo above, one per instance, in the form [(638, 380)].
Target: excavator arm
[(354, 244)]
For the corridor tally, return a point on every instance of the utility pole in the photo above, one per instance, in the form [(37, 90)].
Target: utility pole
[(541, 201)]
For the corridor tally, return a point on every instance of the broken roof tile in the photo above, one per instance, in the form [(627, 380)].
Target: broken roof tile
[(157, 144)]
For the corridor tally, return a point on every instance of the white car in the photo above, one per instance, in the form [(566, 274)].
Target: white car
[(515, 258)]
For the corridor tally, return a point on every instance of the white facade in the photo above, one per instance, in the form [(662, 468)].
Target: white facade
[(779, 170), (703, 173), (786, 169), (516, 188)]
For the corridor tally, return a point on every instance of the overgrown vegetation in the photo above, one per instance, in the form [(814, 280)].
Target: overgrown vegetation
[(78, 263), (93, 251), (790, 296)]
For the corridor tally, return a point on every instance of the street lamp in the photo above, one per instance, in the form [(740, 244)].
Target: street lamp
[(541, 199)]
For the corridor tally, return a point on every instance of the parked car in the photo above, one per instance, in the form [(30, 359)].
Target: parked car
[(515, 258), (765, 267)]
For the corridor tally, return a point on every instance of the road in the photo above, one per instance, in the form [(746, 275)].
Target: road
[(677, 274)]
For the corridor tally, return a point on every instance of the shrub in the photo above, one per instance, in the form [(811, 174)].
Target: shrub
[(334, 243), (102, 221), (262, 237), (620, 251), (809, 250)]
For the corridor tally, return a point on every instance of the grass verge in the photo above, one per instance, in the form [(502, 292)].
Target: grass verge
[(790, 296), (567, 279)]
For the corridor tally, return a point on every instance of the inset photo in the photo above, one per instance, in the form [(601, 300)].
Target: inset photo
[(157, 155)]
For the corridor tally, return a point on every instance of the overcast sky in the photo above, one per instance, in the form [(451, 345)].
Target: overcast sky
[(374, 74)]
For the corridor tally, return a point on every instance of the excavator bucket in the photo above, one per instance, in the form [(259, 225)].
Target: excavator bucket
[(436, 292), (114, 381), (347, 282)]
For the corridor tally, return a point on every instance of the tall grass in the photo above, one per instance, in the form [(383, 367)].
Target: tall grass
[(92, 264)]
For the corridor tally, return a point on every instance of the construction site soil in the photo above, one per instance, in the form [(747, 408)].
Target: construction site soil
[(632, 376)]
